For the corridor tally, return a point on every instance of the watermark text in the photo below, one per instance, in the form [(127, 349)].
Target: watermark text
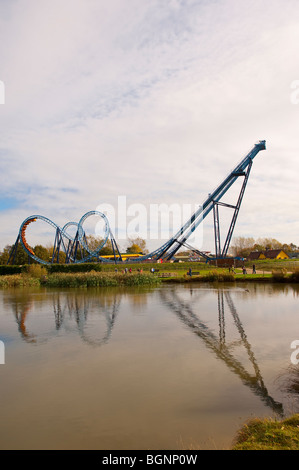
[(2, 92), (294, 358), (153, 221), (295, 93), (2, 353)]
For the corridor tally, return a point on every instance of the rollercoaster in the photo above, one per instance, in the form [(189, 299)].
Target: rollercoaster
[(77, 250)]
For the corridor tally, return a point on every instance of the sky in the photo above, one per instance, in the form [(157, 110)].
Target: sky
[(153, 100)]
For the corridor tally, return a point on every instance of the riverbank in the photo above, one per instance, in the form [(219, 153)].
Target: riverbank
[(268, 434), (104, 279), (77, 280)]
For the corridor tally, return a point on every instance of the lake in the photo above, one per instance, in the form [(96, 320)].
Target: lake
[(174, 367)]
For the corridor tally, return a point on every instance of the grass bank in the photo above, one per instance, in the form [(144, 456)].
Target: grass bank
[(77, 280), (136, 275), (268, 434), (94, 279)]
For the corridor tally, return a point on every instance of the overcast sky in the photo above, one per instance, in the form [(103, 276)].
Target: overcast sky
[(155, 100)]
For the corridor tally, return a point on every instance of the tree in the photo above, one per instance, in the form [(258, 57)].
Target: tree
[(4, 255), (270, 243), (62, 255), (293, 247), (107, 249), (21, 257), (134, 249), (41, 252), (94, 242), (242, 246), (137, 245)]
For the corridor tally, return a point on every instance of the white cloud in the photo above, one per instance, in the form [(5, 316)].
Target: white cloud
[(154, 100)]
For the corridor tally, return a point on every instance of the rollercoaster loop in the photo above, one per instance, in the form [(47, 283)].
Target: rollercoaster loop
[(71, 245), (76, 248)]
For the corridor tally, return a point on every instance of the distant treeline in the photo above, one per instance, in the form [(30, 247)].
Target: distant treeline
[(136, 245), (243, 246)]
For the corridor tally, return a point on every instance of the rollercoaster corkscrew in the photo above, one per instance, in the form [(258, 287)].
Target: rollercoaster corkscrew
[(76, 247)]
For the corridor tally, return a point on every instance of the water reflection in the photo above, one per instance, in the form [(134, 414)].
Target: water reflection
[(288, 383), (79, 307), (20, 316), (69, 310), (94, 315), (218, 343)]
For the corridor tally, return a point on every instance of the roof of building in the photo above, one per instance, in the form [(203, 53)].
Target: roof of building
[(273, 253), (255, 254)]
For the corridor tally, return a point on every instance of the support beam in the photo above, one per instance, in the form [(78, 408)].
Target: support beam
[(236, 213), (216, 230)]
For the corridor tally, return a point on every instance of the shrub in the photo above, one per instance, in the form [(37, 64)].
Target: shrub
[(218, 277), (74, 268), (295, 276), (19, 280), (95, 279), (36, 271), (267, 434), (140, 280), (7, 269), (279, 276)]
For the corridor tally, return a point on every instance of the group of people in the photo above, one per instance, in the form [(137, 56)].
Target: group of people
[(126, 270), (244, 270)]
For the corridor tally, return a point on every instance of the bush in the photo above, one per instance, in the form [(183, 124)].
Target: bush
[(74, 268), (19, 280), (218, 277), (267, 434), (140, 280), (94, 279), (5, 270), (37, 271), (279, 276), (295, 276)]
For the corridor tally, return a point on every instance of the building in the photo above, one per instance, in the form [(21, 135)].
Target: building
[(268, 254), (255, 255)]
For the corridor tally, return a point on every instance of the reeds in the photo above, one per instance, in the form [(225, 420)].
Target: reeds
[(39, 277), (95, 279), (19, 280)]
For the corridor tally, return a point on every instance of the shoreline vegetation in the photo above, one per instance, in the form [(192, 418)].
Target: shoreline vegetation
[(268, 434), (99, 275)]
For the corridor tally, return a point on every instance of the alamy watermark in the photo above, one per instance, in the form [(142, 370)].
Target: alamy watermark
[(2, 353), (294, 97), (294, 358), (152, 222), (2, 93)]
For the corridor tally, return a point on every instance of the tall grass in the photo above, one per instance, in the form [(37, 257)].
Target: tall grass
[(269, 434), (19, 280), (279, 275), (218, 277), (37, 271), (211, 276), (37, 277), (295, 275), (94, 279)]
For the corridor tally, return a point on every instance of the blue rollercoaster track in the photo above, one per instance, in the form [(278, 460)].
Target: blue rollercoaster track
[(77, 250)]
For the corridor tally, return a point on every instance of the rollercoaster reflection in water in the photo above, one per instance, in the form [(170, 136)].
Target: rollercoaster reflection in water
[(142, 368), (71, 312), (218, 345)]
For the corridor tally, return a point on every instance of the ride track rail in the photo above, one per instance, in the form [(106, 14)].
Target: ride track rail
[(76, 248)]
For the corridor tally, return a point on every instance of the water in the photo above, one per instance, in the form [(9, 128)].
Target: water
[(169, 368)]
